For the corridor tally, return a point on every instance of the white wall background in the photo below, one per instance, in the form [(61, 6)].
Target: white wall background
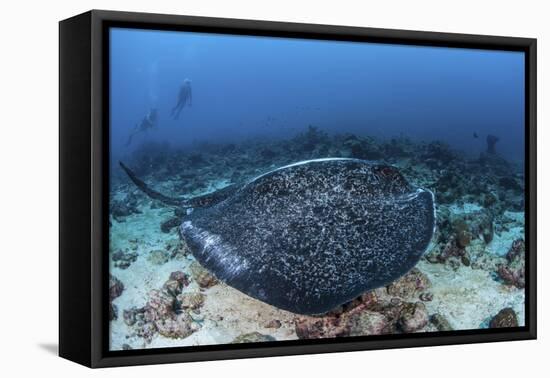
[(29, 188)]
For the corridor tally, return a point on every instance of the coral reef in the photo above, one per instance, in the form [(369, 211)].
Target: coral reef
[(513, 271), (274, 323), (410, 285), (479, 235), (170, 224), (413, 317), (121, 208), (440, 322), (505, 318), (392, 309), (253, 337), (204, 278), (115, 290), (190, 301), (456, 232), (163, 313), (176, 248), (123, 259)]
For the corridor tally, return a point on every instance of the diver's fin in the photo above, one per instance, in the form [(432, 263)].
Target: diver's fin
[(150, 192)]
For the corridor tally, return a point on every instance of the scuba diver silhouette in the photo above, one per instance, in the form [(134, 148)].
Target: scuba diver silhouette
[(185, 97), (148, 122)]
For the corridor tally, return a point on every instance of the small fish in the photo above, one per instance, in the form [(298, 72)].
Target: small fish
[(475, 135)]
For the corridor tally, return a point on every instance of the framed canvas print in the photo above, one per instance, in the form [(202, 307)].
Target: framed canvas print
[(234, 188)]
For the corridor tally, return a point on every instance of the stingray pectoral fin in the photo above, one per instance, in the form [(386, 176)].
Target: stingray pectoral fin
[(150, 192), (416, 213)]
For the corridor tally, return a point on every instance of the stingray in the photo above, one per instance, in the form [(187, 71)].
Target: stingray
[(309, 236)]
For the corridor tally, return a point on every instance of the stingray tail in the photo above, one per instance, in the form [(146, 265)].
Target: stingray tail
[(171, 201)]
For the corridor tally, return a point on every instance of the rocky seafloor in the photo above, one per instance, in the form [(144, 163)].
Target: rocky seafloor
[(472, 275)]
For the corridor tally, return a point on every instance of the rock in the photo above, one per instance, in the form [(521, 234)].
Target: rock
[(178, 275), (121, 208), (426, 297), (410, 285), (489, 200), (129, 316), (510, 276), (512, 272), (253, 337), (329, 326), (158, 257), (463, 228), (274, 323), (177, 249), (123, 259), (369, 323), (362, 148), (190, 301), (482, 259), (203, 277), (510, 183), (126, 347), (113, 311), (413, 317), (440, 322), (146, 330), (163, 312), (158, 306), (462, 233), (516, 251), (459, 234), (340, 322), (115, 290), (175, 284), (438, 153), (115, 287), (494, 164), (373, 313), (396, 148), (177, 327), (450, 187), (505, 318), (451, 250), (170, 224)]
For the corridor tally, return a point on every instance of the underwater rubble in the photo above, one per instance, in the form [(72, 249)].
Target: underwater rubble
[(397, 308), (115, 290), (471, 276), (166, 311)]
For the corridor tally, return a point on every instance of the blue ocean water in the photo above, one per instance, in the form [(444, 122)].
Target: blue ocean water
[(261, 87)]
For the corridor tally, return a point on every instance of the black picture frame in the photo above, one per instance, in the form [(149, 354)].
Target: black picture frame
[(84, 173)]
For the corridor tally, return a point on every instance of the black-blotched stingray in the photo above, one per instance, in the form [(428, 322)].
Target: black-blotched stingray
[(309, 236)]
